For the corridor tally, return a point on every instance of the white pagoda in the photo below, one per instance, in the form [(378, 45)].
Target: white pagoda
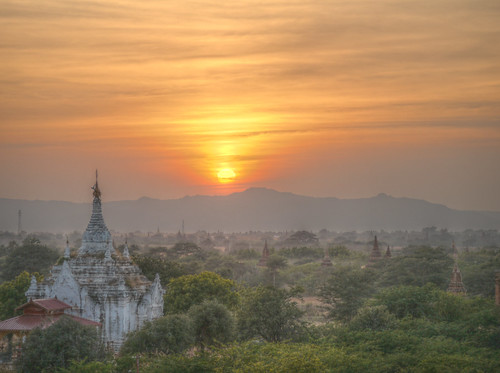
[(101, 284)]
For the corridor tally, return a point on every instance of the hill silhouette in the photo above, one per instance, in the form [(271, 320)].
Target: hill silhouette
[(253, 209)]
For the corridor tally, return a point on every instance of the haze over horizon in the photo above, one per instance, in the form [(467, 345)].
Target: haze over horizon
[(328, 99)]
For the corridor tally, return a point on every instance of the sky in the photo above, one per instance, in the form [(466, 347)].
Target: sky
[(166, 98)]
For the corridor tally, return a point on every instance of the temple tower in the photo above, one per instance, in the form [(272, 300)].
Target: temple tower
[(101, 284), (375, 254), (456, 285), (326, 262), (388, 252), (265, 256)]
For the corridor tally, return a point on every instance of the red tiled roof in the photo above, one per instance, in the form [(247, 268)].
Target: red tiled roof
[(27, 322), (30, 322), (52, 304)]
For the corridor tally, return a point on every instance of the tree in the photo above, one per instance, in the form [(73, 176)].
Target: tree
[(83, 366), (186, 291), (12, 293), (168, 334), (167, 269), (31, 256), (269, 313), (212, 323), (373, 318), (418, 266), (345, 291), (414, 301), (60, 344), (273, 264), (478, 269)]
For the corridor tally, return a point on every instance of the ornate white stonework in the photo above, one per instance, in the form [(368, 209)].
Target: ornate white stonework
[(103, 285)]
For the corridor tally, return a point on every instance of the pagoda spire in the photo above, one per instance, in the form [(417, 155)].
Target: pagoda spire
[(388, 252), (265, 255), (456, 285), (375, 254), (126, 253), (326, 262), (96, 238), (67, 250)]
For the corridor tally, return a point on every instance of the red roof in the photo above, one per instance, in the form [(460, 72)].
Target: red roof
[(30, 322), (52, 304), (40, 313)]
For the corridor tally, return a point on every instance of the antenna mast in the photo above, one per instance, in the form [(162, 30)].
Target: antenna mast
[(19, 226)]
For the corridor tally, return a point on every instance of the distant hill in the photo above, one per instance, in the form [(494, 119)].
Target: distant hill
[(254, 209)]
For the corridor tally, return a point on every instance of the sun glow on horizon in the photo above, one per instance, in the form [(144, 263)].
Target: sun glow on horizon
[(226, 175)]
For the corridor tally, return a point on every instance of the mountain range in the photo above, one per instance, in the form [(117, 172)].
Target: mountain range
[(255, 209)]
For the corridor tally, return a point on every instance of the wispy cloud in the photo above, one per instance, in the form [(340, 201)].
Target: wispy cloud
[(250, 84)]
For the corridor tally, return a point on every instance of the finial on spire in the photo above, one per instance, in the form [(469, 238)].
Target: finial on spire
[(95, 188), (126, 253), (67, 251)]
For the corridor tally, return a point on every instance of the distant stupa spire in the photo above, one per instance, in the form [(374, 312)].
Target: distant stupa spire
[(265, 255), (67, 250), (388, 252), (456, 285), (375, 254), (126, 253), (326, 262)]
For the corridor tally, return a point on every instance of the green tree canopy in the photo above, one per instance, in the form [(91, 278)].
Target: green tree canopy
[(414, 301), (167, 269), (212, 323), (273, 264), (31, 257), (345, 291), (373, 318), (269, 313), (168, 334), (59, 345), (12, 294), (186, 291), (478, 271), (418, 266)]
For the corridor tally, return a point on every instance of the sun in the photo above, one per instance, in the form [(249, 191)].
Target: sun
[(226, 175)]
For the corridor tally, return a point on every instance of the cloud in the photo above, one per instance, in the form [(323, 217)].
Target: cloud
[(262, 83)]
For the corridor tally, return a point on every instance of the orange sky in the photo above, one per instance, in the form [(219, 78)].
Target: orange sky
[(323, 98)]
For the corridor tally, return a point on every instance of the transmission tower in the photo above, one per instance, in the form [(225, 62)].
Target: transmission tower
[(19, 226)]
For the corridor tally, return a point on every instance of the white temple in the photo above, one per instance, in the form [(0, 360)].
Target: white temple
[(101, 284)]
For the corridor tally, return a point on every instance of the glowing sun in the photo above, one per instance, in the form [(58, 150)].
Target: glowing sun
[(226, 175)]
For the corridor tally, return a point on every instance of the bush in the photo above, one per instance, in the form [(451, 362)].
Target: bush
[(168, 334), (186, 291), (212, 323), (60, 344)]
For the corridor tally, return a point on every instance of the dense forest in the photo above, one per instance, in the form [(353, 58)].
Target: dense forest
[(292, 313)]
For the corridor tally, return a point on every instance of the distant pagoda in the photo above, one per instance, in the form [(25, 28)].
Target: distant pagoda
[(265, 256), (375, 254), (326, 262), (456, 285), (101, 284), (388, 252), (455, 250)]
